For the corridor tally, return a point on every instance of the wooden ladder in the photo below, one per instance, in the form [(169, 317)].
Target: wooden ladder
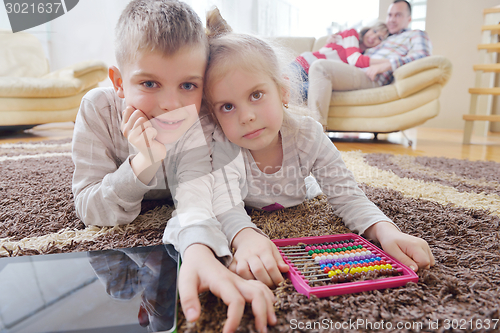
[(489, 49)]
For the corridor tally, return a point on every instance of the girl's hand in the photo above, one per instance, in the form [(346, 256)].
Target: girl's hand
[(256, 257), (201, 271), (411, 251), (140, 133)]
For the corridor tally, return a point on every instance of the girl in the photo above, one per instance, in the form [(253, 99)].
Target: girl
[(248, 91)]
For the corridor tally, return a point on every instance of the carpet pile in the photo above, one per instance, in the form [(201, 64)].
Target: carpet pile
[(453, 204)]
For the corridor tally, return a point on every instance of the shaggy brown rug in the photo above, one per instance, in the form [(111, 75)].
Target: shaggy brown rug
[(453, 204)]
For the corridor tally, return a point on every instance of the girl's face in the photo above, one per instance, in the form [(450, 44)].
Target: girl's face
[(248, 106), (373, 37)]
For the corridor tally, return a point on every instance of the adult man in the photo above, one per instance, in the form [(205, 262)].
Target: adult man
[(402, 46)]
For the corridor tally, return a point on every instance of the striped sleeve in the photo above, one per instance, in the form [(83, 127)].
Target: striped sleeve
[(354, 56)]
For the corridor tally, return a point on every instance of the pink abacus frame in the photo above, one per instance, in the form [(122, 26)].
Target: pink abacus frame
[(407, 275)]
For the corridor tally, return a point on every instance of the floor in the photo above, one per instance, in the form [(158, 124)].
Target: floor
[(424, 141)]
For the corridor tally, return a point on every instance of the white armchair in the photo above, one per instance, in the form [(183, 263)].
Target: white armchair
[(30, 94)]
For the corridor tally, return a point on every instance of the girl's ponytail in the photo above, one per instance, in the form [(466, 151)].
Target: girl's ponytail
[(216, 25)]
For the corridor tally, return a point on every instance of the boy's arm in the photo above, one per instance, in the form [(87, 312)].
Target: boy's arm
[(106, 190)]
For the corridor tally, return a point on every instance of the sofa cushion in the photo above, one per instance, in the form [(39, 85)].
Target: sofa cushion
[(41, 103), (319, 43), (21, 55), (394, 123), (60, 83), (296, 45), (365, 97)]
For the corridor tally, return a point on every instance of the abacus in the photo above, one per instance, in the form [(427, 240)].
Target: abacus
[(340, 264)]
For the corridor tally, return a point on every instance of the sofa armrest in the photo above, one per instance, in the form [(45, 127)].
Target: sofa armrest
[(421, 73), (79, 69), (67, 81), (294, 45)]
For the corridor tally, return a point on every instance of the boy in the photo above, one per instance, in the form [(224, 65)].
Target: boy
[(144, 139)]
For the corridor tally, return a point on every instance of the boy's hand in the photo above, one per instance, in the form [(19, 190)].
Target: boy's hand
[(256, 257), (201, 271), (412, 251), (140, 133)]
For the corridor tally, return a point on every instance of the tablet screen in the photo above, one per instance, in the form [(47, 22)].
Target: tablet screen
[(120, 290)]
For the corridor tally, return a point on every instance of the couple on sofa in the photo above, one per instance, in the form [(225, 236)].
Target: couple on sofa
[(352, 61)]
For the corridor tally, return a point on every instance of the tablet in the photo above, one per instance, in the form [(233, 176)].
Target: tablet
[(119, 290)]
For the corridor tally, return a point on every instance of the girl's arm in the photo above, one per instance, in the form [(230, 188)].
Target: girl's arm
[(336, 181), (350, 42), (412, 251), (350, 203)]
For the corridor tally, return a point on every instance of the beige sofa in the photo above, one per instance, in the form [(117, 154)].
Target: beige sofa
[(30, 94), (409, 101)]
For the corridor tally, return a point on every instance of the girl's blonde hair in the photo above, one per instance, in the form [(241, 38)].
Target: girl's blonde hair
[(164, 26), (230, 50), (379, 26)]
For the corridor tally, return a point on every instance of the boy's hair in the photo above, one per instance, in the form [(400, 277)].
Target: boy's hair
[(156, 25), (377, 26), (230, 50)]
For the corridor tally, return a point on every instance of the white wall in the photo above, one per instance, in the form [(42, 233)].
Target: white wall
[(86, 32), (454, 27)]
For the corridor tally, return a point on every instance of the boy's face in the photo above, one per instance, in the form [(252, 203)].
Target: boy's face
[(167, 89)]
